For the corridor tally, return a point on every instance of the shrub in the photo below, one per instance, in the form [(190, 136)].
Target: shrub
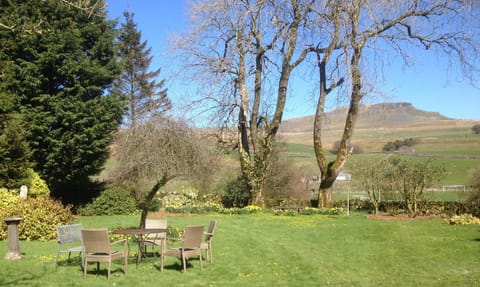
[(8, 198), (186, 196), (40, 216), (199, 208), (395, 207), (464, 219), (36, 186), (476, 129), (235, 193), (283, 186), (309, 211), (114, 200), (396, 145)]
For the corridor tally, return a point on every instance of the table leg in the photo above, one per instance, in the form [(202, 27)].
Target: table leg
[(140, 248)]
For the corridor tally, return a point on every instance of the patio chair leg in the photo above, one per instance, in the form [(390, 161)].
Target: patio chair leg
[(161, 262), (56, 261), (210, 253), (85, 269), (126, 265)]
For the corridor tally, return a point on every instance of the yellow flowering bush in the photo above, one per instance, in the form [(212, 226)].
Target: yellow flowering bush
[(37, 186), (252, 208), (464, 219), (40, 215), (8, 198), (186, 196)]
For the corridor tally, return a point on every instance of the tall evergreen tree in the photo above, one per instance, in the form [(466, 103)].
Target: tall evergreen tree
[(14, 149), (62, 68), (144, 96)]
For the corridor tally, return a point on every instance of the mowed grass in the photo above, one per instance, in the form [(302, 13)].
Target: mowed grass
[(267, 250)]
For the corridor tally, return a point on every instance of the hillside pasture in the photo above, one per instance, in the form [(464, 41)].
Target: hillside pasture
[(448, 142)]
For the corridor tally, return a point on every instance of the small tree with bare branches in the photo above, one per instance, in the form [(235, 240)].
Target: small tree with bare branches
[(154, 152)]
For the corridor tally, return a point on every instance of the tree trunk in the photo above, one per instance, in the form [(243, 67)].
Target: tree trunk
[(323, 197), (148, 200)]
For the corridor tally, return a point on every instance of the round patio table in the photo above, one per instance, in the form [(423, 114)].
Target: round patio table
[(139, 233)]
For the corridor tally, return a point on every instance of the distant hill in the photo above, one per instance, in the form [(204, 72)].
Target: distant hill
[(383, 115)]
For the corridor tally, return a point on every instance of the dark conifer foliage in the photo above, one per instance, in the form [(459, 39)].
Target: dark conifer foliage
[(62, 63), (144, 96)]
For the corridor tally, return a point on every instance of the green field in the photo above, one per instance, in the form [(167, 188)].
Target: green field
[(267, 250), (455, 148)]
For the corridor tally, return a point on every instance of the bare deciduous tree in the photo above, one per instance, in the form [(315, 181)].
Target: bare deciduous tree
[(154, 152), (250, 47), (397, 27)]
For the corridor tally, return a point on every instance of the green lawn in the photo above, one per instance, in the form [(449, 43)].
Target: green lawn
[(268, 250)]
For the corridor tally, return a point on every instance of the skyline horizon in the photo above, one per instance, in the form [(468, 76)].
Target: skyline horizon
[(426, 85)]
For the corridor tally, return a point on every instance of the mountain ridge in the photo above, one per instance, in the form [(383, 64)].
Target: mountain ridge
[(380, 115)]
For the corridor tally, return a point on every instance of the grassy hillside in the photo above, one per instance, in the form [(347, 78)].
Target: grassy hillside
[(449, 141)]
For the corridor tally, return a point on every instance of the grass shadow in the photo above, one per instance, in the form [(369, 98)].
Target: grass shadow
[(19, 277), (177, 266)]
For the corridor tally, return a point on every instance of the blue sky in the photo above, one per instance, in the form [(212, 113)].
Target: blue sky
[(429, 85)]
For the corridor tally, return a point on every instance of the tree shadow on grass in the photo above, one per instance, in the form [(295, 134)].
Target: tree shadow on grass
[(73, 261), (20, 276), (103, 272)]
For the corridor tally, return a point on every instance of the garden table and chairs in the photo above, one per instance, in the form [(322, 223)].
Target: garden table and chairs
[(140, 234)]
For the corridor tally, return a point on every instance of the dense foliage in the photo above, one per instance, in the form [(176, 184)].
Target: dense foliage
[(476, 129), (473, 200), (235, 193), (112, 201), (397, 144), (36, 185), (58, 64), (14, 150), (40, 215)]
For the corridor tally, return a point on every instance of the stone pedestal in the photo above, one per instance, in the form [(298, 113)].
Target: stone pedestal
[(12, 233)]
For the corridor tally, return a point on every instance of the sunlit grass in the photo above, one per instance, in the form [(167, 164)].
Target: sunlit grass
[(268, 250)]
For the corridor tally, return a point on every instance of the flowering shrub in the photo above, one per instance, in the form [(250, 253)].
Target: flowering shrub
[(463, 219), (252, 208), (235, 210), (187, 196), (200, 208), (40, 216), (37, 186), (8, 198), (210, 207), (286, 212)]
